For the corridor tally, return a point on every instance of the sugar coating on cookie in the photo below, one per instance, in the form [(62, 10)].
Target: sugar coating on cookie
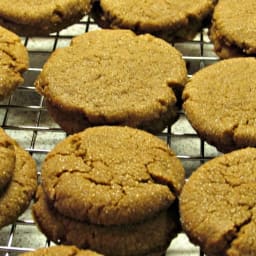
[(173, 19), (218, 204), (112, 175), (233, 29), (113, 240), (113, 77), (7, 159), (33, 17), (219, 102), (17, 195), (13, 62), (61, 250)]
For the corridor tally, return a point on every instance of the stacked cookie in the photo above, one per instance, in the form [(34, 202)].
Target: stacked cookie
[(171, 20), (18, 180), (106, 187), (113, 77), (33, 17), (13, 62)]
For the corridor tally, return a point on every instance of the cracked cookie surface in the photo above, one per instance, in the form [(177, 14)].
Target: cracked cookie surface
[(7, 159), (219, 103), (218, 205), (61, 250), (13, 62), (233, 29), (33, 17), (112, 175), (18, 193), (113, 77)]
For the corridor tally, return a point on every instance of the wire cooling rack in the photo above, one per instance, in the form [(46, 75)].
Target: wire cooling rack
[(24, 117)]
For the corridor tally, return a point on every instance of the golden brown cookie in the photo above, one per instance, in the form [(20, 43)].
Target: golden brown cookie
[(219, 102), (150, 237), (113, 77), (60, 250), (233, 28), (33, 17), (13, 62), (171, 20), (7, 159), (218, 205), (112, 175), (17, 195)]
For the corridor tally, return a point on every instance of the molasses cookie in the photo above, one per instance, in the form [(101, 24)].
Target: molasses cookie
[(233, 28), (13, 61), (113, 77), (33, 17), (171, 20), (112, 175), (218, 205), (18, 193), (151, 237), (219, 102), (7, 159), (60, 250)]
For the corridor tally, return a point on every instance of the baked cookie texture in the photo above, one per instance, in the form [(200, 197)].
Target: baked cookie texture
[(219, 103), (17, 194), (37, 18), (62, 251), (111, 183), (217, 205), (233, 28), (113, 77), (172, 20), (14, 62), (7, 159)]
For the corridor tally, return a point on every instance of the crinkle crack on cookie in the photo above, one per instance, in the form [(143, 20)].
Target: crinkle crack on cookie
[(170, 20), (37, 18), (219, 103), (112, 176), (113, 77), (233, 28), (218, 205), (13, 62)]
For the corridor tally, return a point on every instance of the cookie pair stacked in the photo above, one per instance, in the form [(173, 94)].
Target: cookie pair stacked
[(18, 180), (111, 189)]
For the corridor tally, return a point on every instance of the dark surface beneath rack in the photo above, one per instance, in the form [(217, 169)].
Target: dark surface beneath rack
[(24, 117)]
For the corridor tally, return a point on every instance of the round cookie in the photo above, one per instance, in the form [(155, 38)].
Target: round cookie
[(61, 250), (112, 175), (17, 195), (7, 159), (218, 205), (113, 77), (37, 18), (233, 28), (149, 238), (170, 20), (219, 103), (13, 62)]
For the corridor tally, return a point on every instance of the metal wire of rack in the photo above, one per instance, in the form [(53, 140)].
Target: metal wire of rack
[(24, 117)]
